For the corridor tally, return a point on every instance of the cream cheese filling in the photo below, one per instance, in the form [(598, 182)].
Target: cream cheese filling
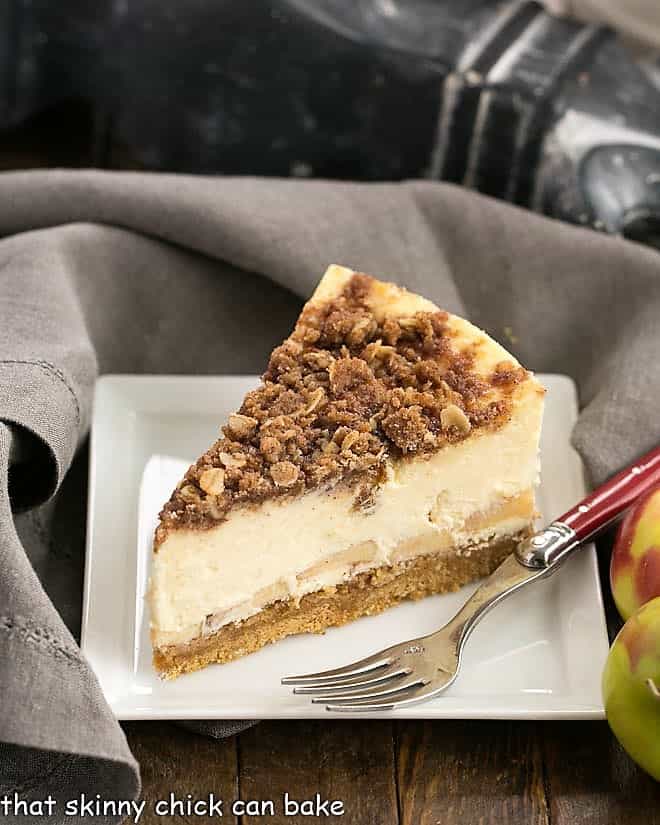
[(281, 549)]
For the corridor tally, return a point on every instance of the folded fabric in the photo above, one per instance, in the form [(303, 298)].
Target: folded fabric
[(114, 272)]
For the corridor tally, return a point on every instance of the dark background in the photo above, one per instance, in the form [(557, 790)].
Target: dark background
[(475, 92)]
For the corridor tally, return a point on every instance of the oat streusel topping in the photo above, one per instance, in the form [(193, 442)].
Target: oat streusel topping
[(342, 394)]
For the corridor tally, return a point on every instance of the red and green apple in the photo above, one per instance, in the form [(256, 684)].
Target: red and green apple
[(631, 687), (635, 565)]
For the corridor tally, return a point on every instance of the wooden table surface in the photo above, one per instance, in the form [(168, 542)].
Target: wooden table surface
[(385, 773), (413, 773)]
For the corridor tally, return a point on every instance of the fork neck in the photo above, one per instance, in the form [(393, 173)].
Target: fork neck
[(548, 546)]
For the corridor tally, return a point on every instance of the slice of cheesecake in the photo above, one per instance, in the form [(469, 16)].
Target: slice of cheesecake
[(389, 452)]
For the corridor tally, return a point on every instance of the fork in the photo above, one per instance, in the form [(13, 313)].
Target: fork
[(414, 671)]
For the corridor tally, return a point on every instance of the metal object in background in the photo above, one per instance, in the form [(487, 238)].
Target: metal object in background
[(545, 112)]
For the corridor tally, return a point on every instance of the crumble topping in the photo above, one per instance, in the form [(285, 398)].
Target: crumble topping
[(342, 394)]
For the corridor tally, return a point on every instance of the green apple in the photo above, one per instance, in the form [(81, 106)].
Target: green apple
[(631, 687), (635, 564)]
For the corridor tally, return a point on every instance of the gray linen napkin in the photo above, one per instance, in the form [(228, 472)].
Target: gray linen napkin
[(112, 272)]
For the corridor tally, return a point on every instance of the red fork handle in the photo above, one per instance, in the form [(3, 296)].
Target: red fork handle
[(611, 499)]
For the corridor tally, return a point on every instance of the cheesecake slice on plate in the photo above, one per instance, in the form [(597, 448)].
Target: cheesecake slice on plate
[(389, 452)]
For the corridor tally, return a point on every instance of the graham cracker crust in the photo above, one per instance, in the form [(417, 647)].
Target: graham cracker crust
[(366, 594)]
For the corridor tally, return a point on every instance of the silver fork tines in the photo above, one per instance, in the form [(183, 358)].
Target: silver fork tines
[(412, 671), (410, 696), (382, 691), (362, 667), (374, 678)]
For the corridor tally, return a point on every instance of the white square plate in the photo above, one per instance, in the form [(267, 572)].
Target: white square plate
[(538, 655)]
